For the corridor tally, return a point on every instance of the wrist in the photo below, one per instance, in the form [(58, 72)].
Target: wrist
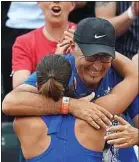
[(65, 105), (130, 13), (72, 104), (136, 138)]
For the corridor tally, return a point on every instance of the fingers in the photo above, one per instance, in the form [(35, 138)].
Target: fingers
[(92, 123), (69, 33), (118, 128), (104, 118), (99, 121), (120, 119), (117, 141), (64, 42), (114, 136), (89, 97), (124, 145), (105, 112)]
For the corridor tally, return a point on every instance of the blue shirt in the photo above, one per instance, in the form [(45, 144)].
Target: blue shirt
[(64, 146), (108, 82)]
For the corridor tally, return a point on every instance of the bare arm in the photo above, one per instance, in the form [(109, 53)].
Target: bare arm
[(123, 93), (107, 10), (25, 101), (19, 77)]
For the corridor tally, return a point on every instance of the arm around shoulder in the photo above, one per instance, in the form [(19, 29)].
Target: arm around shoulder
[(25, 101)]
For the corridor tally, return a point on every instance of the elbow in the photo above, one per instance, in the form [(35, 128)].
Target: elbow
[(7, 105)]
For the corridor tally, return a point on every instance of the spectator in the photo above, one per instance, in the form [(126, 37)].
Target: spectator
[(89, 72), (125, 18), (82, 10), (15, 24), (29, 48)]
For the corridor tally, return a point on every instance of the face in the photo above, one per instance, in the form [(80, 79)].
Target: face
[(56, 11), (91, 73)]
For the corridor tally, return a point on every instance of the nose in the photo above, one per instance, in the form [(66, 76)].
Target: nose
[(97, 65)]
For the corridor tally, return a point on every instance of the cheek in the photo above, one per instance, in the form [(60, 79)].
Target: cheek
[(106, 67), (67, 7), (44, 6), (81, 63)]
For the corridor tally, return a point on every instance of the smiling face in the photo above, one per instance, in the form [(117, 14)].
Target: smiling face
[(56, 12), (90, 73)]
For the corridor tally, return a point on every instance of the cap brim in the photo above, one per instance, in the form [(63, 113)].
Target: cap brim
[(93, 49)]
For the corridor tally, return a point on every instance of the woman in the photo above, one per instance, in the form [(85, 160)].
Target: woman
[(57, 138)]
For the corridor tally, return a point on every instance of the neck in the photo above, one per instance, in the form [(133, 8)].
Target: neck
[(55, 32)]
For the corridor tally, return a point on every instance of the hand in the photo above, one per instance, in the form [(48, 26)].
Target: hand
[(95, 115), (135, 8), (123, 135), (69, 34), (62, 47)]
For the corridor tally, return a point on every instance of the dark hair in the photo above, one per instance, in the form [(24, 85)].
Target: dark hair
[(53, 75)]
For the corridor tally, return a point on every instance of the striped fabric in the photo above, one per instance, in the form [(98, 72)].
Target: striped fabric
[(128, 43)]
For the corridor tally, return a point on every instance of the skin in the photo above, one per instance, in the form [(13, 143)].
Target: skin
[(53, 30), (92, 113), (120, 22), (123, 135), (26, 127), (25, 99), (90, 73), (84, 137)]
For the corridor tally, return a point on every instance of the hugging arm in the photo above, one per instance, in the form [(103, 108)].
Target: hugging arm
[(25, 101), (123, 93)]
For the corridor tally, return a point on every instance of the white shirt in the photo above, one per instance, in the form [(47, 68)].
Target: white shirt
[(25, 15)]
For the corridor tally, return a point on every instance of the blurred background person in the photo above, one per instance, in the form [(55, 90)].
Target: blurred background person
[(125, 18), (18, 18)]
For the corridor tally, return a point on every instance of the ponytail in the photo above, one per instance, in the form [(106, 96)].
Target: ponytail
[(52, 89)]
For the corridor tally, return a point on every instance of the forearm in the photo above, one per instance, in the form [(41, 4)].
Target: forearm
[(123, 93), (120, 96), (107, 10), (124, 66), (29, 102), (121, 23)]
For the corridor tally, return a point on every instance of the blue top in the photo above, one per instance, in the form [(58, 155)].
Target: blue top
[(108, 82), (64, 146)]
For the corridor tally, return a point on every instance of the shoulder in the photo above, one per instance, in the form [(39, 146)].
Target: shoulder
[(31, 132), (26, 127), (28, 37), (28, 123), (89, 137)]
